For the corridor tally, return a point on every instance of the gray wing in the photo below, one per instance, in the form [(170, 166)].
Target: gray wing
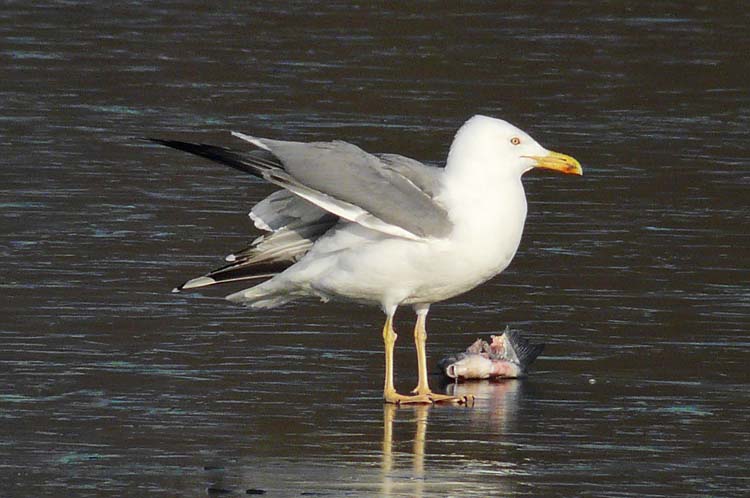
[(387, 193), (426, 178), (284, 210)]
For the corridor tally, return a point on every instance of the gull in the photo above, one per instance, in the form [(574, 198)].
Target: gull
[(382, 229)]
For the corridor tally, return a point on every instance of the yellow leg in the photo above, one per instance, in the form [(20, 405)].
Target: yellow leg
[(420, 341), (389, 390), (423, 386), (422, 394), (389, 339)]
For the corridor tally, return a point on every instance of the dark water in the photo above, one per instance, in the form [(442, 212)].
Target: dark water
[(636, 275)]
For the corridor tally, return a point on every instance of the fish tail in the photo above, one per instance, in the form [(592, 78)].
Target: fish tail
[(526, 352)]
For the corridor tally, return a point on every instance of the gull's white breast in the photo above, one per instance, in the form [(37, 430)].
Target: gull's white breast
[(362, 265)]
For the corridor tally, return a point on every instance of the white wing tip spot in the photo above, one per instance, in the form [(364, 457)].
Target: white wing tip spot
[(247, 138)]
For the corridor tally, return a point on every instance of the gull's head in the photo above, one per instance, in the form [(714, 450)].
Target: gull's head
[(502, 149)]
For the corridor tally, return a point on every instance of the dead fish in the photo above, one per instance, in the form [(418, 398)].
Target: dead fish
[(507, 356)]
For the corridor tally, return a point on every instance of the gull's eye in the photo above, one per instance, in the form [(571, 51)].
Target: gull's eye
[(515, 141)]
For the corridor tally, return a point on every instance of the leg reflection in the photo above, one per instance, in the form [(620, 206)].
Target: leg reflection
[(403, 482), (420, 436), (389, 412)]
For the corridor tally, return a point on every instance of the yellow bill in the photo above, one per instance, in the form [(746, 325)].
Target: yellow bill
[(558, 162)]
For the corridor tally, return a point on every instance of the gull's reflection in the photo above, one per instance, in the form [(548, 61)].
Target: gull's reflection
[(495, 409), (415, 480)]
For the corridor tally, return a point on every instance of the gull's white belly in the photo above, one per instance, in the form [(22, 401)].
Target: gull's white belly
[(392, 271), (360, 264)]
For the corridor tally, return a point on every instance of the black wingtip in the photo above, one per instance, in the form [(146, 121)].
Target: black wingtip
[(204, 150), (253, 162), (159, 141)]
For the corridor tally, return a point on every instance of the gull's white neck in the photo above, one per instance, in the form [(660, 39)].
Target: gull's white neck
[(488, 210)]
